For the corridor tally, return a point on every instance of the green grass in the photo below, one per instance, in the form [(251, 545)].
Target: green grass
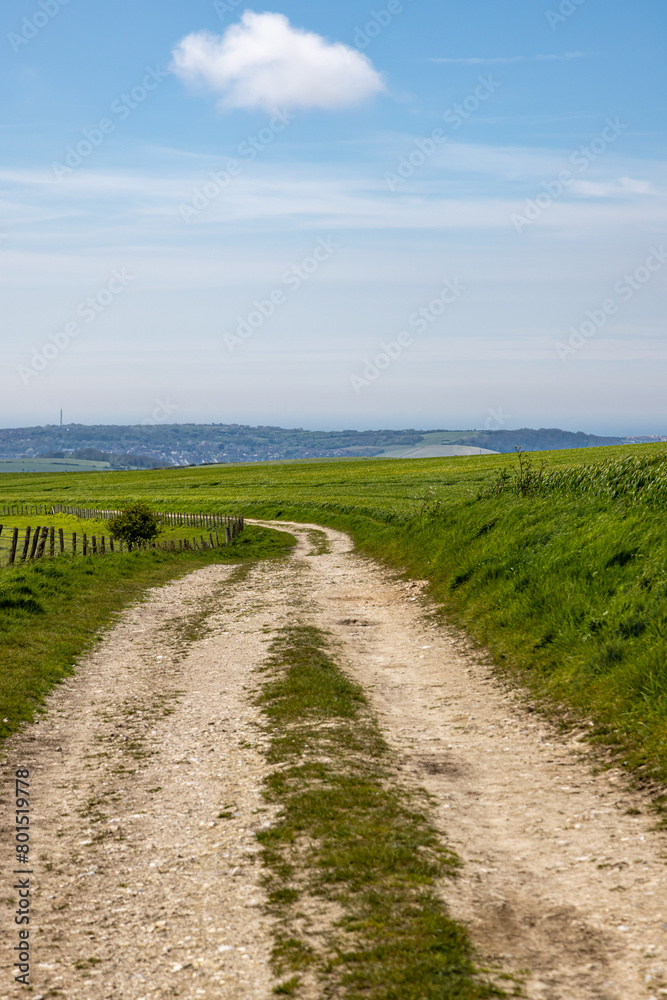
[(348, 837), (51, 612)]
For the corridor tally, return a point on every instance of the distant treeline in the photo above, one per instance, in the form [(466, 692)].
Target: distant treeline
[(544, 439)]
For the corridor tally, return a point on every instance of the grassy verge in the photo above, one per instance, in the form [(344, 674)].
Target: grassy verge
[(570, 593), (352, 843), (52, 612)]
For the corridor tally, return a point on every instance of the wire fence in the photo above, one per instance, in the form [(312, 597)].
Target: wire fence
[(198, 520), (20, 545)]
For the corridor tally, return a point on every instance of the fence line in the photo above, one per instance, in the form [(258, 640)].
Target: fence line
[(35, 542), (199, 520)]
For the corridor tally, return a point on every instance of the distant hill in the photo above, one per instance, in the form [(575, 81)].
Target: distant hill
[(544, 439), (146, 446)]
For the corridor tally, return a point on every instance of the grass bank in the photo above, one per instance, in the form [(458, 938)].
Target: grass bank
[(569, 595), (53, 611), (349, 838)]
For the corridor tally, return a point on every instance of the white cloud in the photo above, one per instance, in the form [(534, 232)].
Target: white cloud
[(265, 62)]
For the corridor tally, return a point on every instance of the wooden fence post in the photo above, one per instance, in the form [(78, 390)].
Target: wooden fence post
[(103, 548), (84, 543), (61, 538), (94, 545), (42, 542), (35, 540), (12, 551), (74, 543), (52, 541)]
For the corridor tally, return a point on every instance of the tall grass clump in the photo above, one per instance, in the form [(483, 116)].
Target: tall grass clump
[(632, 478)]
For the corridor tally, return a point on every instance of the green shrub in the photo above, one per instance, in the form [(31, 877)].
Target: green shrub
[(137, 523)]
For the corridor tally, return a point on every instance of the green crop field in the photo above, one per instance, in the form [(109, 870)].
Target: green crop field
[(14, 465), (565, 583), (390, 491)]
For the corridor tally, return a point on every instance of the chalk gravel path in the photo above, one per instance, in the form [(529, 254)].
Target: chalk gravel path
[(143, 890)]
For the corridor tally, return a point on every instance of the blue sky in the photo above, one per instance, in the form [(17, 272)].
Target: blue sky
[(411, 214)]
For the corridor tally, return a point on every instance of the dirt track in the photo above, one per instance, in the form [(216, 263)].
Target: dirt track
[(143, 890)]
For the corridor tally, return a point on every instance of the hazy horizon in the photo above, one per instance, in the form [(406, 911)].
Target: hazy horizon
[(153, 422)]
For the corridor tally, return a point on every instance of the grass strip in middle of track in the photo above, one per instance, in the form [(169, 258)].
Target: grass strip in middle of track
[(352, 861)]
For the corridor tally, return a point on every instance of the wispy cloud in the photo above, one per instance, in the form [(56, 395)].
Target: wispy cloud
[(504, 60), (103, 213), (264, 62), (613, 189)]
